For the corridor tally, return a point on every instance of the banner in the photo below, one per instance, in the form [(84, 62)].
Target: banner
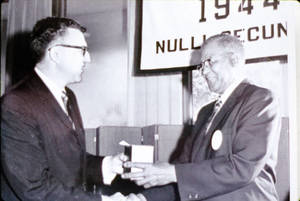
[(171, 30)]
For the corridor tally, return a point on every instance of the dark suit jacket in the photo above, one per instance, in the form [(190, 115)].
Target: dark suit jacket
[(42, 157), (243, 168)]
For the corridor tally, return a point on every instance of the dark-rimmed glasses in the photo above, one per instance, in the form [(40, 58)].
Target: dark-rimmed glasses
[(83, 48), (204, 63)]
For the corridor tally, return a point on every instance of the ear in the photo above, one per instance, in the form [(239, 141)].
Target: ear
[(54, 55)]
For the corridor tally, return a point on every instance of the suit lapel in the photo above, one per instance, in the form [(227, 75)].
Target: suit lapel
[(76, 117), (198, 132), (202, 117), (227, 107), (200, 149), (48, 100)]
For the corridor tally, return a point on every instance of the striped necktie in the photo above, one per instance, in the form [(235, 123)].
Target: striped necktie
[(217, 106), (66, 102)]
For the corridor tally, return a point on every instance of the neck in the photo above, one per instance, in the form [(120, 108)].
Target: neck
[(52, 74)]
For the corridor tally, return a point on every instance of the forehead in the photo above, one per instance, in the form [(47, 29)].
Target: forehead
[(74, 37), (211, 49)]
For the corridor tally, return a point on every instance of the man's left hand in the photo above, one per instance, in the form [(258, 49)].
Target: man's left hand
[(156, 174), (116, 163)]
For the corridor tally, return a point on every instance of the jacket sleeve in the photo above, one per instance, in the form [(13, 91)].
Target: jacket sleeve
[(256, 138), (24, 160), (167, 193), (94, 169)]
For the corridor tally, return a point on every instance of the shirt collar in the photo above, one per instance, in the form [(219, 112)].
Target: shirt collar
[(230, 89), (54, 88)]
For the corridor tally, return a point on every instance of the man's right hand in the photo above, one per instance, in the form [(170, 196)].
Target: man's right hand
[(157, 174)]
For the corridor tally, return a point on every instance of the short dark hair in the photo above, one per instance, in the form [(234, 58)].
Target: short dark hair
[(46, 30)]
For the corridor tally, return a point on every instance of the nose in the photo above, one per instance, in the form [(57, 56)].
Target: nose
[(204, 70), (87, 57)]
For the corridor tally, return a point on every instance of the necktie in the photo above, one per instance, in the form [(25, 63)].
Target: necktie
[(67, 105), (217, 106)]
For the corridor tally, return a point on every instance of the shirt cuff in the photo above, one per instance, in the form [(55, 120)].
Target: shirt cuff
[(108, 175)]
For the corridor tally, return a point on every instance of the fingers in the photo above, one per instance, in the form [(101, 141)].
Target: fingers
[(150, 181), (147, 182), (138, 197), (118, 194), (118, 197), (122, 157), (117, 163), (136, 175), (137, 165), (118, 170), (133, 175), (141, 197), (141, 179), (133, 197)]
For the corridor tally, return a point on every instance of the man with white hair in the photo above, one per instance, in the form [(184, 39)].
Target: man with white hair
[(231, 153)]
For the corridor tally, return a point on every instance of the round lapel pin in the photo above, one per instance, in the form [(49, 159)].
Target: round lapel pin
[(216, 140)]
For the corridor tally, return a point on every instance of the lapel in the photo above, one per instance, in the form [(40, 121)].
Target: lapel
[(197, 134), (202, 117), (201, 142), (75, 115), (228, 106), (48, 101)]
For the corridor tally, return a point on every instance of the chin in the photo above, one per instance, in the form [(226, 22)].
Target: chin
[(214, 90), (79, 77), (76, 80)]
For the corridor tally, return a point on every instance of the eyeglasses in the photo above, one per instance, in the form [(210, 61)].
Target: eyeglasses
[(83, 48), (203, 64)]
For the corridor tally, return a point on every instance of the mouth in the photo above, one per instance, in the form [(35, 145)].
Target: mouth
[(208, 78)]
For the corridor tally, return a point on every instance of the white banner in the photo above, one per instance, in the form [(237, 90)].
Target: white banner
[(171, 29)]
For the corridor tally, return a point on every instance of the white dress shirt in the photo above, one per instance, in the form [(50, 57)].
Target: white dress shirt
[(55, 90)]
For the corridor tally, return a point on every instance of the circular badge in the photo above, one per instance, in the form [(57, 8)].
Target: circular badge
[(216, 140)]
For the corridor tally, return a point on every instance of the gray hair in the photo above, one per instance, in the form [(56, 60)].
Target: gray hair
[(231, 44)]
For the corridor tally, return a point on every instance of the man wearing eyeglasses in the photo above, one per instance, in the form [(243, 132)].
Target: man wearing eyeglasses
[(232, 151), (43, 151)]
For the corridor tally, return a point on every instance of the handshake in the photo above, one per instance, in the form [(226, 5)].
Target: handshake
[(150, 175), (143, 171)]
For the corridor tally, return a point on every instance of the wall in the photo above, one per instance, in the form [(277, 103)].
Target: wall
[(111, 93), (298, 92)]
